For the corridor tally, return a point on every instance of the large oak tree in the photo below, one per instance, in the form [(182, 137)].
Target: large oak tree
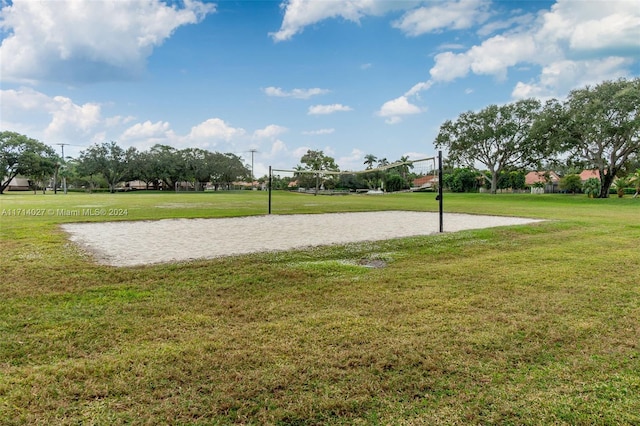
[(317, 162), (601, 127), (109, 160), (499, 137), (21, 155)]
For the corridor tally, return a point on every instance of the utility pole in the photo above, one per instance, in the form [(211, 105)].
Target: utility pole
[(252, 151), (64, 178)]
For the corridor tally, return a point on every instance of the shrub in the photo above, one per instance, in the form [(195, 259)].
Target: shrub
[(591, 187), (571, 183), (621, 185)]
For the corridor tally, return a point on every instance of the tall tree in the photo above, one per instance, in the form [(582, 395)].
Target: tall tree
[(229, 168), (43, 168), (603, 126), (405, 166), (108, 159), (369, 160), (499, 137), (141, 166), (21, 155), (317, 161), (167, 165), (198, 166)]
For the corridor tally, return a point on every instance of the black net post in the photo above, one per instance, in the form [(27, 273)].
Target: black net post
[(269, 184), (440, 185)]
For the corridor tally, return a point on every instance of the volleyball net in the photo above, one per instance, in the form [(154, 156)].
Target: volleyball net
[(414, 175)]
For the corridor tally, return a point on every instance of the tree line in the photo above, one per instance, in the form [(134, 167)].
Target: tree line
[(108, 164), (161, 167), (596, 127)]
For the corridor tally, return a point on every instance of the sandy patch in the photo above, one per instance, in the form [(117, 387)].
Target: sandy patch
[(171, 240)]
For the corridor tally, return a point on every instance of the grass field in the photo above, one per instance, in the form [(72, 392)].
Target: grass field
[(535, 324)]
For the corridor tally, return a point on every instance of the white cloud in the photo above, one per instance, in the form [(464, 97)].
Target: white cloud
[(438, 16), (118, 120), (299, 152), (210, 132), (565, 75), (67, 114), (394, 109), (419, 87), (301, 13), (295, 93), (319, 132), (353, 161), (573, 43), (530, 90), (614, 31), (493, 57), (328, 150), (83, 40), (450, 66), (144, 135), (592, 26), (277, 156), (147, 130), (497, 54), (55, 119), (515, 21), (277, 147), (269, 132), (327, 109), (24, 109)]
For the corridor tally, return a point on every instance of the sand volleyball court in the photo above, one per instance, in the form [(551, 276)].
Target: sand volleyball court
[(175, 240)]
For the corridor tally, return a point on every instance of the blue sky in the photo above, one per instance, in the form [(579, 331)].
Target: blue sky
[(349, 77)]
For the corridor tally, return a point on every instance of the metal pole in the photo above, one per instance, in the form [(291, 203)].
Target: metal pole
[(269, 189), (55, 179), (440, 184), (64, 178), (253, 176)]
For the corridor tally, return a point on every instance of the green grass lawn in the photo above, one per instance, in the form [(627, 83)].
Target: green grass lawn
[(536, 324)]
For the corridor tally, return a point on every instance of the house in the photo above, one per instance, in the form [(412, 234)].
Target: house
[(425, 183), (542, 181), (548, 177), (588, 174), (19, 184)]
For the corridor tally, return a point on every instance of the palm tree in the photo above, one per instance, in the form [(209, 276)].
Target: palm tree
[(622, 184), (369, 159), (591, 187), (405, 166)]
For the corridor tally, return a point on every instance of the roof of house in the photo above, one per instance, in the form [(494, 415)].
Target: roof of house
[(587, 174), (19, 182), (540, 177), (427, 180)]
